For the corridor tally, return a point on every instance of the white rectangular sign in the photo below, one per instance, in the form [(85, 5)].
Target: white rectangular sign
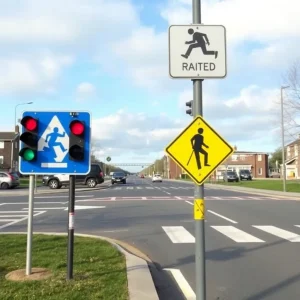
[(197, 51)]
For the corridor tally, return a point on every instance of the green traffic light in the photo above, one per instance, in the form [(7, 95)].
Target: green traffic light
[(28, 155)]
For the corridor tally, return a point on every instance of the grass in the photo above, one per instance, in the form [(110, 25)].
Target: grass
[(99, 269), (25, 181), (275, 185)]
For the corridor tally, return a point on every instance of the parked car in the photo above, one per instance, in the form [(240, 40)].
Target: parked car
[(93, 178), (230, 176), (9, 180), (118, 177), (245, 175), (157, 178)]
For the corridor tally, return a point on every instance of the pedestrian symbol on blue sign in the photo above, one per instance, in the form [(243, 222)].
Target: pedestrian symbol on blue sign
[(53, 144)]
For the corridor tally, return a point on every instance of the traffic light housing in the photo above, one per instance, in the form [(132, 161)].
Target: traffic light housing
[(77, 140), (189, 104), (29, 137)]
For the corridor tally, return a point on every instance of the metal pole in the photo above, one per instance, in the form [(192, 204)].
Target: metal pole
[(199, 190), (71, 227), (282, 141), (29, 225), (35, 183)]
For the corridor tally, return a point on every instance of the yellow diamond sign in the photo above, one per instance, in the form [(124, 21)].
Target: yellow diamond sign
[(199, 150)]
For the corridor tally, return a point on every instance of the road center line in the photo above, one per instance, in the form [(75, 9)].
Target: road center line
[(225, 218)]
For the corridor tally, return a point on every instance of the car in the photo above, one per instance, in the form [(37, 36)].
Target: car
[(157, 178), (245, 174), (230, 176), (118, 177), (94, 177), (9, 180)]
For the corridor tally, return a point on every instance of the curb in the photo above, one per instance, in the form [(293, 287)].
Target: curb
[(25, 192), (139, 278), (244, 189)]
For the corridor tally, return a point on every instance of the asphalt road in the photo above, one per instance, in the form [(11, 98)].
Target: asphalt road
[(252, 241)]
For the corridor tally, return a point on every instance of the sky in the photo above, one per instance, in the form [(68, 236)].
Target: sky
[(110, 57)]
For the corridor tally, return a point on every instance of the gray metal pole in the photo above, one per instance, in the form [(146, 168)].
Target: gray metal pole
[(29, 225), (199, 190), (282, 141)]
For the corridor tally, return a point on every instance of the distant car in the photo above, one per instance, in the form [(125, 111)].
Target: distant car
[(118, 177), (9, 180), (230, 176), (91, 180), (245, 175), (157, 178)]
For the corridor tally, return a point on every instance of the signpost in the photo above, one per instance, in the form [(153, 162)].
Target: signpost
[(196, 52), (55, 143)]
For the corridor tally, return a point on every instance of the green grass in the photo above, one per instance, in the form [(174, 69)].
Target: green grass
[(269, 184), (25, 181), (99, 269)]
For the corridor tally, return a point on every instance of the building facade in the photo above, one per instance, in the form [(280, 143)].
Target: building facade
[(9, 151), (292, 162)]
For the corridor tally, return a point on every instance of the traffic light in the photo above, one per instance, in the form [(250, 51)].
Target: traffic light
[(190, 105), (77, 140), (30, 139)]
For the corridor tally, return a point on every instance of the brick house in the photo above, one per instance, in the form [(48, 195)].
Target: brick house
[(9, 150), (292, 161), (256, 162)]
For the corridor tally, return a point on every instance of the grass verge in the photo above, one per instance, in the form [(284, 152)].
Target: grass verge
[(275, 185), (99, 269), (25, 182)]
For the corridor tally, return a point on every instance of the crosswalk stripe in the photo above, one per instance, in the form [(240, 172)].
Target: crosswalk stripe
[(237, 235), (284, 234), (178, 234)]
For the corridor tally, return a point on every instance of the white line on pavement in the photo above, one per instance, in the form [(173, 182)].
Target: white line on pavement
[(183, 284), (189, 202), (7, 220), (168, 193), (284, 234), (64, 196), (237, 235), (297, 225), (14, 216), (38, 208), (178, 234), (223, 217)]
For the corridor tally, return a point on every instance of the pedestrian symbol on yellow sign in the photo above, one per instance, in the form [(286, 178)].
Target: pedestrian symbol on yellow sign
[(199, 150), (197, 145)]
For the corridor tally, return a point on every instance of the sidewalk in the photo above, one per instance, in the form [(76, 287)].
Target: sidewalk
[(242, 189), (46, 190)]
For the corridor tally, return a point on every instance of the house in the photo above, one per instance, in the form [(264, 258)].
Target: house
[(256, 162), (9, 150), (292, 162)]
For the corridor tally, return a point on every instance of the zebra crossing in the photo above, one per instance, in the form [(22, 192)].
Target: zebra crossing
[(118, 188), (180, 235)]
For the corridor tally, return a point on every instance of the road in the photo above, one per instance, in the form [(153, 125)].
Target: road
[(252, 241)]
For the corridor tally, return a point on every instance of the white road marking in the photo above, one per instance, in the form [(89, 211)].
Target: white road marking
[(284, 234), (223, 217), (179, 198), (178, 234), (189, 202), (297, 225), (237, 235), (168, 193), (65, 196), (46, 202), (183, 284), (44, 208), (7, 220), (14, 216)]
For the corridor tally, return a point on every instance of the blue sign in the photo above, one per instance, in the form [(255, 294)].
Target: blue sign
[(53, 144)]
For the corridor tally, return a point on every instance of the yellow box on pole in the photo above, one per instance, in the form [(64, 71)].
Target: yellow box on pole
[(199, 209)]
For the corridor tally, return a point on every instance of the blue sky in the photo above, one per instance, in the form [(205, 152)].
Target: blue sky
[(111, 57)]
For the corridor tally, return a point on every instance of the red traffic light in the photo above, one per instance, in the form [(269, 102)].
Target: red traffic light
[(77, 127), (29, 123)]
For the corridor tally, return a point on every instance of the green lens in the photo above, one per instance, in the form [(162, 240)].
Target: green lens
[(29, 154)]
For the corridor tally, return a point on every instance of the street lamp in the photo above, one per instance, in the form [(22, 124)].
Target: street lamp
[(282, 137), (25, 103)]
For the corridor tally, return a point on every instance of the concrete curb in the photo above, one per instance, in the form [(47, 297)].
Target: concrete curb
[(244, 189), (139, 278), (25, 192)]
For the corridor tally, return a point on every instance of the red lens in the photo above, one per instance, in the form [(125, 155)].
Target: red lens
[(77, 127), (30, 124)]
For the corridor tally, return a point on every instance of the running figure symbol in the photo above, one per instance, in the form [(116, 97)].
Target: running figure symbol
[(197, 142), (199, 41), (52, 137)]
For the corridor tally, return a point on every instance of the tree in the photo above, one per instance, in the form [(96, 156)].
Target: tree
[(276, 156)]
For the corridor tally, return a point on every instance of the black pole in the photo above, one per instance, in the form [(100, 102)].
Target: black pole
[(71, 228)]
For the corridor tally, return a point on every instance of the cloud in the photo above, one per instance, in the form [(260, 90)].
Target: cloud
[(85, 91)]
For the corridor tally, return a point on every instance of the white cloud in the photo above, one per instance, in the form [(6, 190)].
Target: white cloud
[(85, 91)]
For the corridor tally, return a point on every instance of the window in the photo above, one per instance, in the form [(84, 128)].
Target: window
[(260, 171), (242, 157), (234, 157), (1, 160), (288, 151), (1, 145), (259, 157), (296, 150)]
